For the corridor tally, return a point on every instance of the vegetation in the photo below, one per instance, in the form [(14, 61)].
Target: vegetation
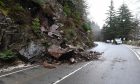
[(86, 27), (119, 24), (29, 15), (7, 55), (36, 25)]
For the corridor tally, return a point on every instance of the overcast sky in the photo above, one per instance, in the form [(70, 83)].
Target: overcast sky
[(97, 9)]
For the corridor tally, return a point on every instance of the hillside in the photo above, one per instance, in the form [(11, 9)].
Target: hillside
[(41, 24)]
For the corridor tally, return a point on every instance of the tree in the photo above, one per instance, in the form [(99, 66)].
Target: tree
[(125, 22), (135, 32), (110, 26), (119, 24)]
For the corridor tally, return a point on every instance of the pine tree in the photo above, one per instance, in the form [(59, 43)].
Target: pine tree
[(110, 26), (135, 32), (125, 21)]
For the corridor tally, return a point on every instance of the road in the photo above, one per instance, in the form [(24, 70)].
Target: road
[(118, 65)]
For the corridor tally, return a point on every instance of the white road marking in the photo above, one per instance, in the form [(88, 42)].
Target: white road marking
[(18, 71), (134, 52), (71, 73)]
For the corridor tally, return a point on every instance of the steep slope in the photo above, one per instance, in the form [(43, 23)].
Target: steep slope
[(44, 22)]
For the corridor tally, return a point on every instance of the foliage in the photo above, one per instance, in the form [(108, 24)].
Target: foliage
[(7, 55), (118, 24), (2, 8), (40, 2), (75, 9), (125, 21), (134, 33), (70, 33), (110, 27), (67, 10), (86, 26), (1, 3), (135, 43), (36, 25)]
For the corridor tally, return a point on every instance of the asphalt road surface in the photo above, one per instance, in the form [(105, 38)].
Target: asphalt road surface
[(118, 65)]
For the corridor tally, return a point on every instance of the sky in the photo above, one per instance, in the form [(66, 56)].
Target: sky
[(97, 9)]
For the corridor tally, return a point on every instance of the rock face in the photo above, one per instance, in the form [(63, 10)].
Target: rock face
[(32, 50), (9, 32), (46, 29)]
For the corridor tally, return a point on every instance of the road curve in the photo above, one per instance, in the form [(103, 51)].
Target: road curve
[(118, 65)]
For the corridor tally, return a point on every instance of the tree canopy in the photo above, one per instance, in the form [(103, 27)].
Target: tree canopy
[(118, 24)]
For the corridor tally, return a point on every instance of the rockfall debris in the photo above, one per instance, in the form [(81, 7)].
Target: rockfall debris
[(55, 54)]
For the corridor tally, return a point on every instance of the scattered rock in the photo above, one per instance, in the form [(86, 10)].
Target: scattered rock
[(47, 65), (97, 53), (72, 60)]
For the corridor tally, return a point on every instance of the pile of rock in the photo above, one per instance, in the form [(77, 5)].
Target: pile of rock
[(35, 52)]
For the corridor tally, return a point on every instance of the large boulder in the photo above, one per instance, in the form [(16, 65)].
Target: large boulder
[(56, 51), (32, 50)]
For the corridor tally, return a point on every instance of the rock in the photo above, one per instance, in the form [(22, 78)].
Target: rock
[(98, 53), (2, 17), (72, 47), (72, 60), (67, 55), (86, 56), (32, 50), (53, 32), (9, 32), (81, 49), (60, 24), (49, 66), (56, 51), (43, 29)]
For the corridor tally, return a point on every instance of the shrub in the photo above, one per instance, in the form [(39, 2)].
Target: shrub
[(1, 3), (70, 34), (40, 2), (86, 27), (36, 25), (7, 55), (67, 10), (2, 8)]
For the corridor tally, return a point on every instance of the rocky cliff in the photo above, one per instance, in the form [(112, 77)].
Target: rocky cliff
[(41, 24)]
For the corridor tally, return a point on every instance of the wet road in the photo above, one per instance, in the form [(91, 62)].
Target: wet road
[(119, 65)]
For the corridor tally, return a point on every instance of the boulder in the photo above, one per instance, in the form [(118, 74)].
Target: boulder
[(32, 50), (53, 32), (56, 51)]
